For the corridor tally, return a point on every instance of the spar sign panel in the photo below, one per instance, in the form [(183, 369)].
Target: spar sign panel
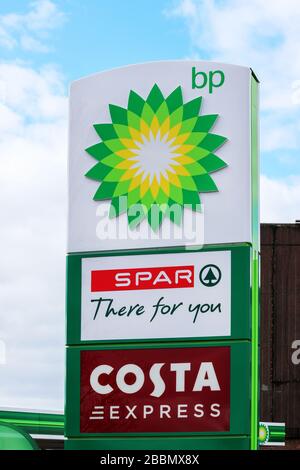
[(155, 390), (156, 296)]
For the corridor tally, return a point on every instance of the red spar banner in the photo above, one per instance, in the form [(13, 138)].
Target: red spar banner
[(142, 278)]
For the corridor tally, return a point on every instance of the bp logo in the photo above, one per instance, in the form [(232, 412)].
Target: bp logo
[(263, 433), (158, 153)]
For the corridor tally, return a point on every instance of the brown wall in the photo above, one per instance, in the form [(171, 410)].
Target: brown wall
[(280, 325)]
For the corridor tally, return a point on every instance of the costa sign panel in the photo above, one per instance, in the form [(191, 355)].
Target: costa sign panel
[(155, 390)]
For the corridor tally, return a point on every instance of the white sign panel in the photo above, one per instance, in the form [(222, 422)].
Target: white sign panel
[(160, 135), (156, 296)]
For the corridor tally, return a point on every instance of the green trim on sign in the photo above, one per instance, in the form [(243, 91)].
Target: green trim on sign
[(255, 353), (167, 249), (255, 165), (240, 292), (239, 392), (255, 385), (163, 443)]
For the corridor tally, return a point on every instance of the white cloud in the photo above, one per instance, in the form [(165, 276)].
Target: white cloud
[(29, 30), (33, 95), (243, 32), (263, 34), (280, 133), (33, 129), (29, 43), (6, 39), (280, 200)]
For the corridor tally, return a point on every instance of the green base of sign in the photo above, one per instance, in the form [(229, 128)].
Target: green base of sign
[(244, 364), (163, 443)]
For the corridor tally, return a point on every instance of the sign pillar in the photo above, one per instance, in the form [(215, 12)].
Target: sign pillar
[(163, 258)]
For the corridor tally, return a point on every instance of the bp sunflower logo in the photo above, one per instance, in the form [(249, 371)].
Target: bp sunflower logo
[(263, 433), (158, 153)]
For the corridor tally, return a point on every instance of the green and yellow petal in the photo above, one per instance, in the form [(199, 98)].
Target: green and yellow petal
[(189, 149)]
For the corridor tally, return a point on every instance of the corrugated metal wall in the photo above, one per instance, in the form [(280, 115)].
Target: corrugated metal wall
[(280, 325)]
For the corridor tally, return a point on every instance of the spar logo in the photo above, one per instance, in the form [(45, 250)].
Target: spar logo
[(142, 278), (155, 390)]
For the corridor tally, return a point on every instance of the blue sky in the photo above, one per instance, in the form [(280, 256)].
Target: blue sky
[(97, 35), (44, 45)]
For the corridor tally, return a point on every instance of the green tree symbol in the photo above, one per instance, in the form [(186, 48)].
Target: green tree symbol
[(210, 275), (210, 278)]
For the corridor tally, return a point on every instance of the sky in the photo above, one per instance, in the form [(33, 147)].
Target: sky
[(44, 45)]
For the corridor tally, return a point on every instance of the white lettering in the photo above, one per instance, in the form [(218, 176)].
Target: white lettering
[(206, 378), (139, 378), (123, 279), (131, 410), (199, 413), (182, 411), (142, 276), (165, 411), (296, 354), (180, 369), (114, 412), (148, 410), (94, 379), (183, 274), (159, 384), (215, 410), (162, 277)]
